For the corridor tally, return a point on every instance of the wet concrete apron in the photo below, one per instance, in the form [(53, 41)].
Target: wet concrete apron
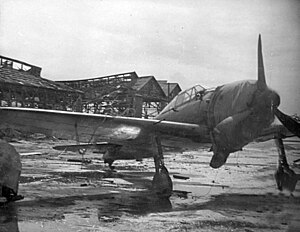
[(63, 194)]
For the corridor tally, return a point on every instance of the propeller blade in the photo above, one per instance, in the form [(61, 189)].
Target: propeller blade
[(291, 124), (261, 79)]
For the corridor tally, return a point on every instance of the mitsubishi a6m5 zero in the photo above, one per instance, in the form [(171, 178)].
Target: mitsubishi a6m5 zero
[(229, 117)]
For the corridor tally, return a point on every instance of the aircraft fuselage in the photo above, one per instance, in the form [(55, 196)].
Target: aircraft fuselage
[(189, 106), (234, 114)]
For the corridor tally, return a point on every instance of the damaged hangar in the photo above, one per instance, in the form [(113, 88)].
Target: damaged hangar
[(124, 94), (21, 85)]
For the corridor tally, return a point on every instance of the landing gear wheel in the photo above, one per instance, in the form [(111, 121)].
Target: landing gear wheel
[(162, 184), (9, 195), (109, 162)]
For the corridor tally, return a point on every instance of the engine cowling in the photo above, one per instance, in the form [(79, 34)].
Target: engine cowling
[(238, 112)]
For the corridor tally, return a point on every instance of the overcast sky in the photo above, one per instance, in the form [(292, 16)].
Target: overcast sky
[(209, 42)]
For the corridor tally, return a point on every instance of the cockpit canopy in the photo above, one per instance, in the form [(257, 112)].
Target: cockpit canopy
[(183, 97)]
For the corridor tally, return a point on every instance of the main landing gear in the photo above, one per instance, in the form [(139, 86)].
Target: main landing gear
[(285, 177), (161, 184), (110, 156)]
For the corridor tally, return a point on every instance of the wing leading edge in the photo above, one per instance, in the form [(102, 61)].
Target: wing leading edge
[(93, 127)]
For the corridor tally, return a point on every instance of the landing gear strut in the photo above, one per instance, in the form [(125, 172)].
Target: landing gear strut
[(110, 156), (285, 177), (161, 184)]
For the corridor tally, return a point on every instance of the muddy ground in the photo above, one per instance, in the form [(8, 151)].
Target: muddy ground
[(62, 194)]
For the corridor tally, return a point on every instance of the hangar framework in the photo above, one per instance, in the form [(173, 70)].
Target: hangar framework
[(123, 94), (21, 85)]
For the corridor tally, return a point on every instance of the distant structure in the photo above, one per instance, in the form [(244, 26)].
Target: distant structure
[(21, 85), (170, 89), (123, 94)]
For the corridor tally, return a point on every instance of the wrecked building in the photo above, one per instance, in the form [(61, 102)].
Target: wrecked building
[(124, 94), (21, 85)]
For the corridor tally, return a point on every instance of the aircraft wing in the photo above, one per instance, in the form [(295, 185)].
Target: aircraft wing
[(274, 131), (91, 128), (290, 127), (291, 123)]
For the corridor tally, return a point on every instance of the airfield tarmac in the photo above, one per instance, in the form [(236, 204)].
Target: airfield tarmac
[(62, 194)]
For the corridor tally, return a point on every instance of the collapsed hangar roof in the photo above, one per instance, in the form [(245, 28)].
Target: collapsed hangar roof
[(19, 73)]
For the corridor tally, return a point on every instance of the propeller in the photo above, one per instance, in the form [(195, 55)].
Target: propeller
[(261, 79), (291, 124), (227, 135), (236, 130)]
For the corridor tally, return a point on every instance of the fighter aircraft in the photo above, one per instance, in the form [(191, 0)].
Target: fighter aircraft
[(228, 116)]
